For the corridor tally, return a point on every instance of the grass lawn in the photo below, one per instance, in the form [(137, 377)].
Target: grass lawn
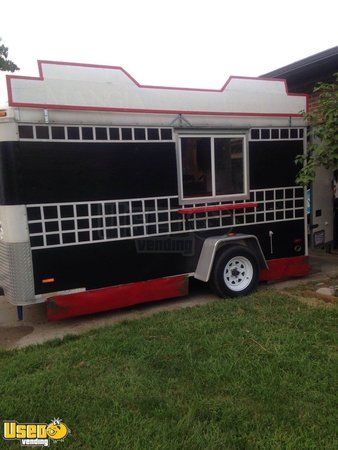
[(254, 373)]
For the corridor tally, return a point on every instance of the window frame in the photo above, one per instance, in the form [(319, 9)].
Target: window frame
[(213, 198)]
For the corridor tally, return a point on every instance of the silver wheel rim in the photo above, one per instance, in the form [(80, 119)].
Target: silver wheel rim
[(238, 273)]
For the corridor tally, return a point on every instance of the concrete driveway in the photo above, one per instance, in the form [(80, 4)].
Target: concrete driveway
[(35, 329)]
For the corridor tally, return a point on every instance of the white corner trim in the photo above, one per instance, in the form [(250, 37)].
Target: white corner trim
[(13, 224)]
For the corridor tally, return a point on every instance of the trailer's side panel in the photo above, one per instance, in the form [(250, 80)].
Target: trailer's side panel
[(40, 173), (44, 172), (9, 174), (272, 163), (111, 263)]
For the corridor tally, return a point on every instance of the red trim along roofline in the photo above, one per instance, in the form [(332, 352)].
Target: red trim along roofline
[(142, 86)]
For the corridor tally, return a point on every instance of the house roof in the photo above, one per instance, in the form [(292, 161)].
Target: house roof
[(302, 75)]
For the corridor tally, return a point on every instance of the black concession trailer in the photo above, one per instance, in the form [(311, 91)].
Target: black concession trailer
[(113, 193)]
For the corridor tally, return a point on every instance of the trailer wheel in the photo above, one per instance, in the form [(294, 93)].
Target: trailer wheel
[(235, 272)]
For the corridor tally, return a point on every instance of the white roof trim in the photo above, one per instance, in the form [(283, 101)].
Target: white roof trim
[(73, 86)]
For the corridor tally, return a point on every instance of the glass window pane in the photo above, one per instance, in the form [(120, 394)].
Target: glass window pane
[(26, 132), (254, 134), (229, 166), (114, 134), (140, 134), (126, 134), (73, 133), (87, 133), (153, 134), (101, 133), (166, 134), (58, 132), (42, 132), (196, 167)]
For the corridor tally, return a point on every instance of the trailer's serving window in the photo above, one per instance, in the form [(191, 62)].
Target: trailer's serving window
[(212, 168)]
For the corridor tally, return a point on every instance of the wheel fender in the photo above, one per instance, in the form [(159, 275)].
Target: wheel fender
[(212, 244)]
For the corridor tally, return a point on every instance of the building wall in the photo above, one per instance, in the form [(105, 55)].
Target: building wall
[(321, 217)]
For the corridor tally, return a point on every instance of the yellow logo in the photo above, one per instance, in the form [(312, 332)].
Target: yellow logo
[(35, 434)]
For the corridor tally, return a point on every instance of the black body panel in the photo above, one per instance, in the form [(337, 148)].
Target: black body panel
[(272, 163), (110, 263), (47, 172)]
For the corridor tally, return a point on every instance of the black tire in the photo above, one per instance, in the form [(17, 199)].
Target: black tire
[(232, 287)]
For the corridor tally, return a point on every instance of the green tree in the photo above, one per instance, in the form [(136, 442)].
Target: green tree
[(6, 64), (323, 133)]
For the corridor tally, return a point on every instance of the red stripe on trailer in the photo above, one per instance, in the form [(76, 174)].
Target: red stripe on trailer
[(227, 207), (282, 268), (115, 297)]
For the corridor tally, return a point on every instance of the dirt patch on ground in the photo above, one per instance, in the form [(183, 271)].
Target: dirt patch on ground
[(315, 302), (325, 298), (10, 335), (307, 293)]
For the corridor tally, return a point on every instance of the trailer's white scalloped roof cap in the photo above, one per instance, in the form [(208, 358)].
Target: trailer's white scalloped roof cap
[(88, 87)]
